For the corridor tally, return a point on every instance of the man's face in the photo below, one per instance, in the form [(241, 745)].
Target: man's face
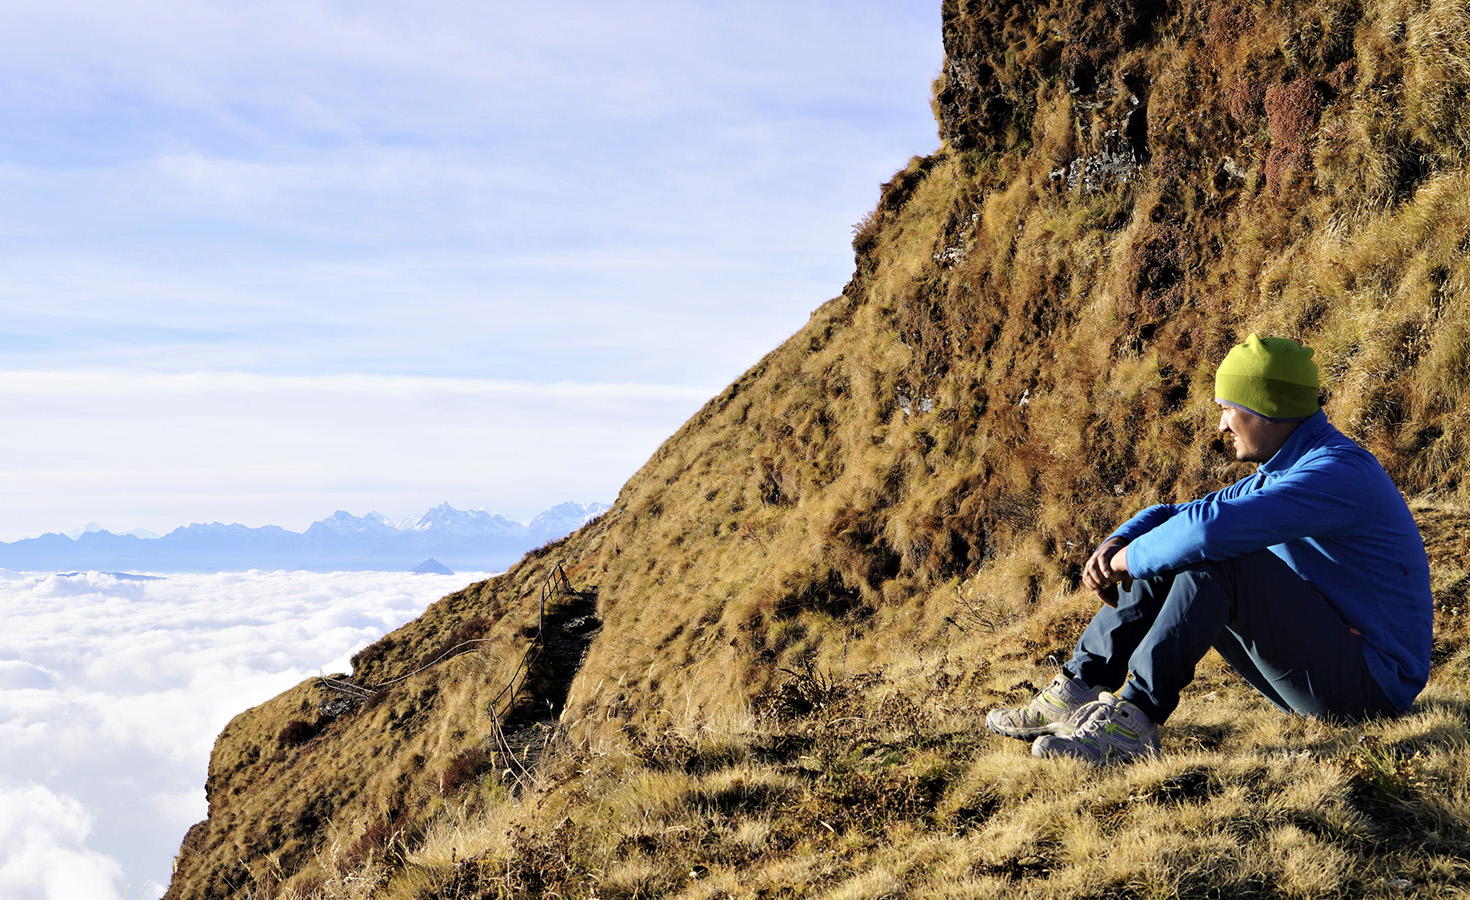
[(1256, 439)]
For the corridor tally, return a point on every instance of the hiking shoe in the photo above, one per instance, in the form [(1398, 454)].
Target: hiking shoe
[(1107, 730), (1049, 713)]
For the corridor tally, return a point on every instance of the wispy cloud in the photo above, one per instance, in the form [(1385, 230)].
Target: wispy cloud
[(114, 690), (218, 145), (610, 59), (653, 193), (287, 450)]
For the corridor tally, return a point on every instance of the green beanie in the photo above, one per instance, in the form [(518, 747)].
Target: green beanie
[(1274, 378)]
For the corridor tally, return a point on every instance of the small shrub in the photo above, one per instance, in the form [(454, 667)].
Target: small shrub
[(1246, 101), (379, 838), (466, 768), (1292, 112), (296, 732)]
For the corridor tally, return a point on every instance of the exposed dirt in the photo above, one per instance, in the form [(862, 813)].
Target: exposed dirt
[(528, 725)]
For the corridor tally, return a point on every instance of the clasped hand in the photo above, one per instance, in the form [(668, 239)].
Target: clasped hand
[(1106, 569)]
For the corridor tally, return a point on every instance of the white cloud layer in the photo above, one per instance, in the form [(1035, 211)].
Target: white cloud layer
[(112, 692), (44, 837)]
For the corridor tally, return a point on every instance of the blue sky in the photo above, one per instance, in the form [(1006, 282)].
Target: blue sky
[(265, 260)]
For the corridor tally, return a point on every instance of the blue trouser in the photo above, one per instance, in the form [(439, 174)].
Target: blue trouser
[(1271, 626)]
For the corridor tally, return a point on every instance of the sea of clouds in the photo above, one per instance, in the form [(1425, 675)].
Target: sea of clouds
[(112, 691)]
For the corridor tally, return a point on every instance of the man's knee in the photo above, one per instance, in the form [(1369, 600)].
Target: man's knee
[(1183, 583)]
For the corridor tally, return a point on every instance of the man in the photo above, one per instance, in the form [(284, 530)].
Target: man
[(1309, 577)]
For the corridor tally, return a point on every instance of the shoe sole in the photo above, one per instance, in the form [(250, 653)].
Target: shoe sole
[(1027, 734), (1113, 758)]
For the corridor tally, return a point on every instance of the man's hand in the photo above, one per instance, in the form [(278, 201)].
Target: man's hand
[(1106, 569)]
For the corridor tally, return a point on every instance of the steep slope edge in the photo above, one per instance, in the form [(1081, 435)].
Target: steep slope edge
[(904, 491)]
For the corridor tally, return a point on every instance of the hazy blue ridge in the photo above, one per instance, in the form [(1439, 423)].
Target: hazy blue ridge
[(466, 540)]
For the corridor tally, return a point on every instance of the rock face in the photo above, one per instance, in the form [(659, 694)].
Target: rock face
[(1022, 358)]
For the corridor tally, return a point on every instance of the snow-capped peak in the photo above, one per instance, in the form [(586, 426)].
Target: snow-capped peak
[(445, 519), (564, 518), (343, 522)]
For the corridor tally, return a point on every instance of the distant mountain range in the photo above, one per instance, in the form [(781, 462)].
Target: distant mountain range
[(473, 540)]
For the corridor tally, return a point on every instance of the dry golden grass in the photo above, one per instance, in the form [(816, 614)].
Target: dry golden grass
[(889, 787), (812, 592)]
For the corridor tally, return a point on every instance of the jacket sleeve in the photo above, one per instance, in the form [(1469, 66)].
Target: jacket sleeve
[(1313, 499), (1145, 521), (1152, 517)]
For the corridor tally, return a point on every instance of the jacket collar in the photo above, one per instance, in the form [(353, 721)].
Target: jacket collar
[(1312, 433)]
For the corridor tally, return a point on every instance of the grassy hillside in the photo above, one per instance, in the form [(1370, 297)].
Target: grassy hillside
[(811, 594)]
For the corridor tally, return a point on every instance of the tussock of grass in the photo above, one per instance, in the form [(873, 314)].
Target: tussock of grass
[(894, 790)]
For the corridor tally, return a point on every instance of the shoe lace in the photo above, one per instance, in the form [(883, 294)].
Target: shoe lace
[(1096, 719)]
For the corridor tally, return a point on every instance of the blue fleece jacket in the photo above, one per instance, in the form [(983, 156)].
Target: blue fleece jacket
[(1326, 507)]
